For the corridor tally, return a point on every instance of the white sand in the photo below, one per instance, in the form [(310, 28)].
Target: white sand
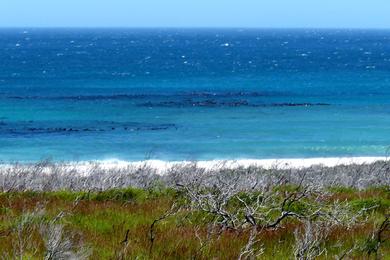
[(162, 166)]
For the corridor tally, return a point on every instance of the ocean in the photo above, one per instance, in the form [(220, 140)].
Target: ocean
[(193, 94)]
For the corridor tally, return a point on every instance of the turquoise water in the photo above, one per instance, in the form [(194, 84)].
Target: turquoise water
[(193, 94)]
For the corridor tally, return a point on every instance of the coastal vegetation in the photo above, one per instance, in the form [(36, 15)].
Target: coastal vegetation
[(58, 211)]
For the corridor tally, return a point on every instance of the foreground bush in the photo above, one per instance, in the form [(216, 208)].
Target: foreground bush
[(54, 212)]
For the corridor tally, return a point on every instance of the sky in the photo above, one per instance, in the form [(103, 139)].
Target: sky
[(196, 13)]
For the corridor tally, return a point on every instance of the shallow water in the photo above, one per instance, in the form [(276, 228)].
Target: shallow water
[(193, 94)]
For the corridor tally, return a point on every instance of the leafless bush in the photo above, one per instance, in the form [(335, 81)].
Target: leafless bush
[(47, 176), (59, 245), (33, 227), (242, 200), (24, 230), (310, 242)]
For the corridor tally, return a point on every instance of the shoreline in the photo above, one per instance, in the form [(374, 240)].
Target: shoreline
[(283, 163), (161, 166)]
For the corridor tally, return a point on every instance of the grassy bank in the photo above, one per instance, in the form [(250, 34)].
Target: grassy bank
[(57, 211), (116, 224)]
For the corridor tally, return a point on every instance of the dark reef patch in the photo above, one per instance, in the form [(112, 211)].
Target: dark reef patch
[(34, 127), (234, 103)]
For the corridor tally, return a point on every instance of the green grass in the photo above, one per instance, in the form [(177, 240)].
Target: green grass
[(102, 219)]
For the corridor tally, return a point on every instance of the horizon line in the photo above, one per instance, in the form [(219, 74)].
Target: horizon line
[(196, 27)]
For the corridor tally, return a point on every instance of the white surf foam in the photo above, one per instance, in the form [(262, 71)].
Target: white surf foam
[(161, 166), (296, 163)]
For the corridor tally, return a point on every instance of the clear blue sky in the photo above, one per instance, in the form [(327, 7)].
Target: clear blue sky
[(195, 13)]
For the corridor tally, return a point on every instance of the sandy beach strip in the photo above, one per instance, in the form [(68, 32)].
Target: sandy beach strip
[(297, 163), (161, 166)]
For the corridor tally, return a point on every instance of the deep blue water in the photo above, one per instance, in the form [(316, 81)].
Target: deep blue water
[(82, 94)]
